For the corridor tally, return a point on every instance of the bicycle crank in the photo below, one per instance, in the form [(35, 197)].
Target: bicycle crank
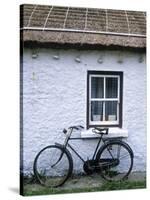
[(90, 166)]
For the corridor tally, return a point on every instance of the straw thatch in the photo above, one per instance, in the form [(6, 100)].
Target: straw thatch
[(113, 21)]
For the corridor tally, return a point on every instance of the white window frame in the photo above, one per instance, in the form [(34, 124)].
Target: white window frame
[(116, 122)]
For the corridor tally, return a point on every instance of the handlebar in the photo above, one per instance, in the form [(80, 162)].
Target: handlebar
[(76, 127), (79, 127)]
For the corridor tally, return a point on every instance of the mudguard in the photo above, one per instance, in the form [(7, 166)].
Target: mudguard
[(64, 149)]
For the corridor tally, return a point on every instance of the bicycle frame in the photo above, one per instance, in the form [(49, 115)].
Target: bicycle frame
[(66, 143), (100, 161)]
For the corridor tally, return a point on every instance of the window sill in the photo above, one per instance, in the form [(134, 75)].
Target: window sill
[(112, 133)]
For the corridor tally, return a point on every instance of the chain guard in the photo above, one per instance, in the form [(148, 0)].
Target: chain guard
[(90, 166)]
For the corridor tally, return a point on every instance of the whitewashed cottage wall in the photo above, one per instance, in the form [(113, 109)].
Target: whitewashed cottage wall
[(54, 97)]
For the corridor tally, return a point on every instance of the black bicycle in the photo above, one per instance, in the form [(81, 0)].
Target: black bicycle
[(53, 165)]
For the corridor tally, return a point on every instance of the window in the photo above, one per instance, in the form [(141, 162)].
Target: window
[(104, 98)]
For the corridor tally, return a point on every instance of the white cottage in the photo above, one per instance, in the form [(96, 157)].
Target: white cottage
[(82, 66)]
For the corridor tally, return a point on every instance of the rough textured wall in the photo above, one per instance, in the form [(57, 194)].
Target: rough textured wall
[(54, 97)]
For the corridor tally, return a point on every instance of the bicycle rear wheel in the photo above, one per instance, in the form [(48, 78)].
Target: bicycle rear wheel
[(53, 166), (115, 161)]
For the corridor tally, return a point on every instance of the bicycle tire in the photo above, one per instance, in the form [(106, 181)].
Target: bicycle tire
[(110, 157), (49, 170)]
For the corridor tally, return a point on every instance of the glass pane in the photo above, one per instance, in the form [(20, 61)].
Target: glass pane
[(97, 87), (111, 87), (111, 110), (96, 111)]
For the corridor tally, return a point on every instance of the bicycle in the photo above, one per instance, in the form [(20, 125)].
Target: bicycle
[(53, 165)]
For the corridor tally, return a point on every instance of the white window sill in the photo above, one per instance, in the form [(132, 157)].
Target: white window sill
[(112, 133)]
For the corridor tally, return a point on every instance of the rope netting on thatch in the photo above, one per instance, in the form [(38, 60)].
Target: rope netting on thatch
[(83, 22)]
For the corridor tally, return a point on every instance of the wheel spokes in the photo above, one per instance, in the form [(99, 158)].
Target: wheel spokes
[(52, 166), (116, 166)]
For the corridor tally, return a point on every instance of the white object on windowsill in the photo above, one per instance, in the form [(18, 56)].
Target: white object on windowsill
[(112, 133), (96, 117), (111, 117)]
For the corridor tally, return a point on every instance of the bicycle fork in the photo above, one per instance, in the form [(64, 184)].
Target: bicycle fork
[(64, 146), (61, 155)]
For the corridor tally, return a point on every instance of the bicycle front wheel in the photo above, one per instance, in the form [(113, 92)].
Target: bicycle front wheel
[(115, 161), (53, 166)]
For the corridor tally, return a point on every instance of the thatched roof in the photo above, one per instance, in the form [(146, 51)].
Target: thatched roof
[(82, 26)]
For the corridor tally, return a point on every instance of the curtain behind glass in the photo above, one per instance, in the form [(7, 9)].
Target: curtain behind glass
[(97, 87), (111, 110), (111, 87), (96, 111)]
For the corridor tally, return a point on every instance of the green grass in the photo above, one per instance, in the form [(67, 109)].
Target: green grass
[(123, 185), (45, 191), (36, 189)]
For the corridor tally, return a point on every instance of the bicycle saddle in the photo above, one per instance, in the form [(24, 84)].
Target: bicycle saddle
[(100, 130)]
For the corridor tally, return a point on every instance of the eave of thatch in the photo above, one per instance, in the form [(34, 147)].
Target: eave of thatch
[(80, 39)]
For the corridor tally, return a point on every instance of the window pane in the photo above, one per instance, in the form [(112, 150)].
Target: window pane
[(111, 110), (97, 87), (96, 111), (111, 87)]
